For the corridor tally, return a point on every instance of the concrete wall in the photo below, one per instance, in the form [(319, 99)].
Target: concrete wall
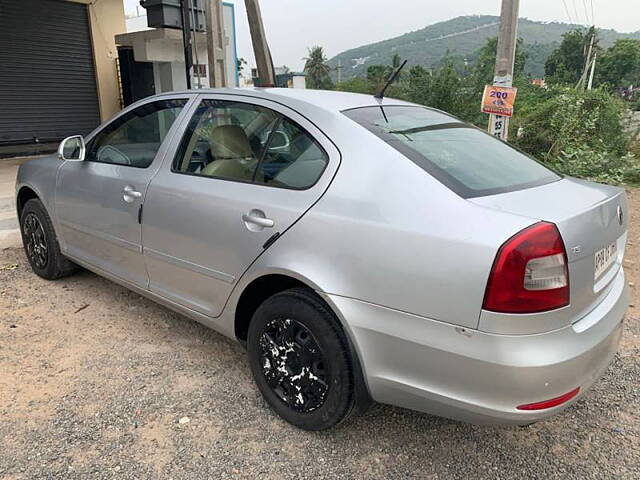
[(106, 20)]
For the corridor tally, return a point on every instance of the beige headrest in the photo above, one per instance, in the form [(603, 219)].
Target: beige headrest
[(230, 141)]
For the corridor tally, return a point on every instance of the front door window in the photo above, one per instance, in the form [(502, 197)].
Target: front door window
[(134, 138)]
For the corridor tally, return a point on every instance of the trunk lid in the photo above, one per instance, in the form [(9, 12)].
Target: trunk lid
[(590, 217)]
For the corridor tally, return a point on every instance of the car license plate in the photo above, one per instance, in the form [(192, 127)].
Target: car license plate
[(604, 258)]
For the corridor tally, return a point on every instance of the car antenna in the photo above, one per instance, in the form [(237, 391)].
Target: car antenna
[(392, 78)]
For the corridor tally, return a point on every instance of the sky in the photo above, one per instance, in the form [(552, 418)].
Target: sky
[(293, 26)]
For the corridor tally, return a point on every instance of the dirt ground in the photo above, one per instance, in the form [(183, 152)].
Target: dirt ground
[(97, 382)]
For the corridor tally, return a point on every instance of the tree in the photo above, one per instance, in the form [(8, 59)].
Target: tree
[(396, 60), (317, 69), (356, 85), (483, 68), (241, 63), (566, 63), (377, 76), (619, 66)]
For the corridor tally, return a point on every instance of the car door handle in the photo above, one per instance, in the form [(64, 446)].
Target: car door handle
[(129, 194), (258, 220)]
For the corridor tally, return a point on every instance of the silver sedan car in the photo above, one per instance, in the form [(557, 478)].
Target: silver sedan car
[(361, 249)]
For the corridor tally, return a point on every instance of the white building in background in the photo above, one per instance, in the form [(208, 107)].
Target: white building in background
[(156, 56)]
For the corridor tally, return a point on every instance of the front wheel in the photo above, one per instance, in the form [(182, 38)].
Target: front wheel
[(300, 360), (41, 244)]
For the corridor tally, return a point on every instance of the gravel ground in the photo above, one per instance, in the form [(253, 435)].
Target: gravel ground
[(98, 382)]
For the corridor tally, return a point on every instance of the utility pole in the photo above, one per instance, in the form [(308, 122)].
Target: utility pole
[(215, 44), (505, 59), (593, 71), (266, 72), (187, 39), (339, 69), (588, 62)]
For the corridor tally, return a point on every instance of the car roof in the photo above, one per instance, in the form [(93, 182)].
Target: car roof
[(328, 100)]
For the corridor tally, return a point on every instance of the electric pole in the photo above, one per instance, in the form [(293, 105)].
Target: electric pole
[(593, 71), (505, 59), (588, 62), (266, 72), (215, 44), (185, 6)]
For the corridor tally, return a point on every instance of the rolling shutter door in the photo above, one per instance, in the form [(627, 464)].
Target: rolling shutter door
[(47, 76)]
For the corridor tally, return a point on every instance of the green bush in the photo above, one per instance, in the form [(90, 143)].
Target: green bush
[(568, 119), (601, 166)]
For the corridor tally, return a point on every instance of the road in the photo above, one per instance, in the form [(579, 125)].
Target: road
[(98, 382)]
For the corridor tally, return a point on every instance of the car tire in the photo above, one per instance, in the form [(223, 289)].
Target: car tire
[(41, 243), (300, 360)]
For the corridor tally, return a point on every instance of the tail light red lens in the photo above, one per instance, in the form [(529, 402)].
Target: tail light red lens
[(529, 273), (554, 402)]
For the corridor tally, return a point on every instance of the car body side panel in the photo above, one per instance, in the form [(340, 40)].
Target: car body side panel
[(39, 174), (196, 245), (388, 233), (97, 224)]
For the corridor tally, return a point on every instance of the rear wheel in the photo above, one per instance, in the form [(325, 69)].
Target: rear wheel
[(41, 244), (300, 360)]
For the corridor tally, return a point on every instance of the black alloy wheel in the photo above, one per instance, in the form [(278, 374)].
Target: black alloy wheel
[(293, 364), (35, 241), (300, 360), (41, 244)]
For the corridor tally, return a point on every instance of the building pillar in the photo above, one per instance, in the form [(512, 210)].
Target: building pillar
[(106, 19)]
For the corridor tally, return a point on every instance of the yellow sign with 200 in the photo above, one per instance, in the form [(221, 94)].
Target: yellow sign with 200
[(499, 100)]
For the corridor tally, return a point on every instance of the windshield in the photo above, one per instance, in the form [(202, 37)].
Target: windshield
[(464, 158)]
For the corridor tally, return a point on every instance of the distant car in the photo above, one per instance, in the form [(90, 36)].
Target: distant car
[(361, 249)]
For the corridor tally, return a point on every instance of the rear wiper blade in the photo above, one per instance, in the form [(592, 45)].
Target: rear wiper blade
[(426, 128)]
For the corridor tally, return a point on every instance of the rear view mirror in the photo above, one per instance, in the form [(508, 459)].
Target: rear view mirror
[(72, 149), (279, 140)]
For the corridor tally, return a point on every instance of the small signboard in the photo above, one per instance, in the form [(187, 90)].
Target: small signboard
[(498, 100)]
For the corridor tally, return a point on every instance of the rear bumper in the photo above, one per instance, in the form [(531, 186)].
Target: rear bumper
[(477, 377)]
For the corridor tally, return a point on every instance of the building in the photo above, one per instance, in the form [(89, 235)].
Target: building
[(68, 65), (284, 78), (152, 59), (59, 72)]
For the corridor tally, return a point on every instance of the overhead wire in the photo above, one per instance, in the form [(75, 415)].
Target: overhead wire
[(575, 9), (566, 9), (586, 12)]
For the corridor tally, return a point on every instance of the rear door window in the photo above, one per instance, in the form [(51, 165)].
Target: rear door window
[(225, 140), (469, 161), (249, 143), (293, 158)]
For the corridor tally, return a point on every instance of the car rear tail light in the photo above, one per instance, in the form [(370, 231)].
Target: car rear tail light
[(554, 402), (529, 273)]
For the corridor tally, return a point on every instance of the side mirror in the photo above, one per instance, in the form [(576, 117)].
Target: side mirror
[(72, 149)]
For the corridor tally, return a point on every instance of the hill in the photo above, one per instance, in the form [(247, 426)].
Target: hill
[(461, 37)]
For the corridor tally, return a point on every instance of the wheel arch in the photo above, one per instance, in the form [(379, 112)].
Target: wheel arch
[(263, 286), (25, 193), (256, 292)]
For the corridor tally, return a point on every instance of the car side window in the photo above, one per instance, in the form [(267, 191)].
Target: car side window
[(293, 159), (225, 139), (134, 138)]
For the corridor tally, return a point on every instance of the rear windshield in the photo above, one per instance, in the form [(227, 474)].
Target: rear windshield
[(469, 161)]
